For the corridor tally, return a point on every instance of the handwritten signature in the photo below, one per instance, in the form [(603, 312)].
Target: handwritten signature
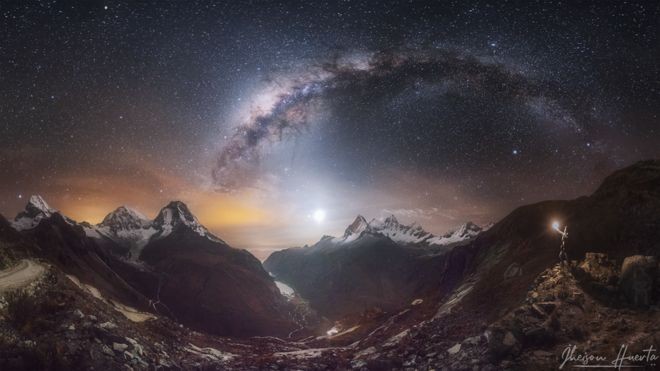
[(571, 357)]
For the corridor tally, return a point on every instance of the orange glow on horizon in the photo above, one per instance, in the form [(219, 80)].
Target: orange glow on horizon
[(212, 210), (215, 211)]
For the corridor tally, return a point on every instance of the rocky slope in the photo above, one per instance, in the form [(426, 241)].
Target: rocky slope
[(209, 285), (511, 278), (56, 324), (64, 244), (505, 304), (170, 266)]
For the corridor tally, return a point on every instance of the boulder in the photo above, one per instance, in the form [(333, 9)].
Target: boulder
[(638, 279), (598, 268)]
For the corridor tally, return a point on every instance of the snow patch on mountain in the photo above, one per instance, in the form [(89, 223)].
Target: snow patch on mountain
[(285, 289)]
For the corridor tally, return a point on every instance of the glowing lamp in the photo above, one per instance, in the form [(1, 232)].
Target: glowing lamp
[(555, 225)]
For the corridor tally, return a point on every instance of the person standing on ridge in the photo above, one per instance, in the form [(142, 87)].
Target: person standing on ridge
[(563, 258)]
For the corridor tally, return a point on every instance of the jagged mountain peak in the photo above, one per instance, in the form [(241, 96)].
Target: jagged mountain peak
[(464, 232), (124, 218), (177, 204), (38, 202), (358, 226), (391, 221), (134, 231), (398, 232), (413, 234), (36, 209), (126, 210), (177, 214), (465, 229)]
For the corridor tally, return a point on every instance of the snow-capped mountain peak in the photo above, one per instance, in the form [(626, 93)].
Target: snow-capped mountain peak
[(37, 202), (467, 229), (126, 227), (412, 234), (356, 228), (35, 210), (130, 228), (405, 234), (177, 213), (124, 218), (391, 222), (464, 232)]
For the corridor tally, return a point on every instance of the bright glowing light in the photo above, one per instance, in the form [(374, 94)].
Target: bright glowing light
[(555, 225), (319, 215)]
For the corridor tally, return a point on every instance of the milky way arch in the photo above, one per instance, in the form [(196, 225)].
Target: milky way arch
[(289, 114)]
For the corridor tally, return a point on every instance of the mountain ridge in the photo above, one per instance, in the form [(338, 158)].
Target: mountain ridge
[(159, 265), (413, 234)]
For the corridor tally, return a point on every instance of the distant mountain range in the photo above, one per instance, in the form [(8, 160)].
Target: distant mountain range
[(403, 234), (164, 261), (171, 265), (374, 264), (132, 230)]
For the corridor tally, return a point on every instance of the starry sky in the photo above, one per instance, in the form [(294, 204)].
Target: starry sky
[(278, 122)]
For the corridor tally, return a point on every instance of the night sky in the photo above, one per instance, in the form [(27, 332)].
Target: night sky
[(262, 115)]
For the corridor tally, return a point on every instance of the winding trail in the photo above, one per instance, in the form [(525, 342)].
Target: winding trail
[(20, 275)]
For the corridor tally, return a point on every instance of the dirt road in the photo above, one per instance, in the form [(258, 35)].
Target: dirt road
[(20, 275)]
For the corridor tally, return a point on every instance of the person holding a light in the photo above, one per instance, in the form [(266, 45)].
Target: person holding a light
[(563, 258)]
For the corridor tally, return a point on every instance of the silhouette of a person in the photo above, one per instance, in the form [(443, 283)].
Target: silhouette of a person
[(563, 258)]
